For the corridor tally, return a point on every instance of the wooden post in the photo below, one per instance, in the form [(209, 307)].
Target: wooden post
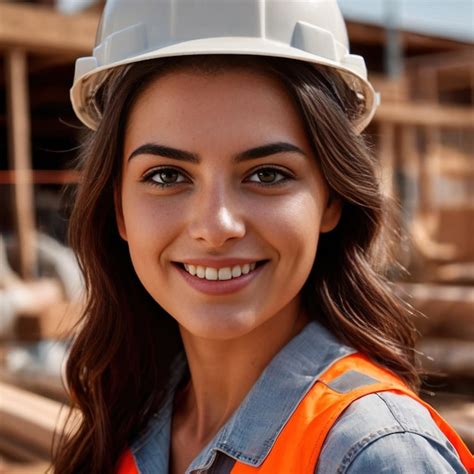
[(18, 115), (471, 79), (409, 171), (388, 170), (387, 156), (431, 159)]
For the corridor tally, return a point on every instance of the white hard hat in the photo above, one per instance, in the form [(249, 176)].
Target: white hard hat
[(136, 30)]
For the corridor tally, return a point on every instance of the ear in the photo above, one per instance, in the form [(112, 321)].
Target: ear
[(119, 212), (332, 214)]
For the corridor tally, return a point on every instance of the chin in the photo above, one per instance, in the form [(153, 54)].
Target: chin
[(219, 329)]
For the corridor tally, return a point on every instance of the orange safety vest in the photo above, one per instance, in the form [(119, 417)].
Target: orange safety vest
[(298, 446)]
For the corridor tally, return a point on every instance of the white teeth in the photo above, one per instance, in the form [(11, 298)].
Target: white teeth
[(211, 273), (226, 273), (236, 271), (200, 271)]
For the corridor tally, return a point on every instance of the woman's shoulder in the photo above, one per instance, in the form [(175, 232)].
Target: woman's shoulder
[(387, 432)]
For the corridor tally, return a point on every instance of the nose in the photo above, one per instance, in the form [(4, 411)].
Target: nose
[(216, 217)]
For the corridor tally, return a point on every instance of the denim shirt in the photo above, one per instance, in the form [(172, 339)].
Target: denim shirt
[(380, 432)]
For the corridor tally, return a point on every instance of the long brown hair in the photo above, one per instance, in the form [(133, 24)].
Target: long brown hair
[(119, 361)]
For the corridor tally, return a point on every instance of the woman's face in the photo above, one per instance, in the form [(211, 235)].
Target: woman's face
[(239, 184)]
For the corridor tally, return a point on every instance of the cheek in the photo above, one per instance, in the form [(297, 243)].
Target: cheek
[(291, 226), (150, 228)]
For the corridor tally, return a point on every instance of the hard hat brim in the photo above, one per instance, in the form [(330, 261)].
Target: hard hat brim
[(85, 86)]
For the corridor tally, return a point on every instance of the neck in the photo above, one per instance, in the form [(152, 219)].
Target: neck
[(223, 372)]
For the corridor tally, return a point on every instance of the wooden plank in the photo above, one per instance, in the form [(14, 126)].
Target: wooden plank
[(30, 418), (26, 468), (34, 381), (14, 449), (43, 176), (448, 309), (38, 28), (368, 34), (454, 357), (463, 58), (20, 158), (432, 43), (455, 79), (426, 114)]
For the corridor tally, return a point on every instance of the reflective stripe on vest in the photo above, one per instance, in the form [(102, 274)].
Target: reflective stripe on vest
[(297, 447)]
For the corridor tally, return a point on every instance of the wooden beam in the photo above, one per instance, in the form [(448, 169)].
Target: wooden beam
[(431, 43), (364, 33), (43, 64), (25, 468), (448, 309), (453, 356), (431, 158), (426, 114), (443, 61), (30, 418), (20, 158), (455, 79), (15, 450), (47, 385), (37, 28), (43, 177)]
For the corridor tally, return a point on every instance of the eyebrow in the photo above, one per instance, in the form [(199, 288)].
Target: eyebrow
[(182, 155)]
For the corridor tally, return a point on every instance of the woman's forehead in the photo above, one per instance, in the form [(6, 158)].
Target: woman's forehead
[(224, 107)]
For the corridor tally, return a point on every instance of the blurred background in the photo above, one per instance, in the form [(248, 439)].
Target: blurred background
[(420, 57)]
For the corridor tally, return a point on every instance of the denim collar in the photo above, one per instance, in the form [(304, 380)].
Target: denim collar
[(250, 433)]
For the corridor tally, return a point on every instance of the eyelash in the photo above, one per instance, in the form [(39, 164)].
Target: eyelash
[(148, 177)]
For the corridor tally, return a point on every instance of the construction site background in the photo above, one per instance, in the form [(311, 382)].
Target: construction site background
[(422, 135)]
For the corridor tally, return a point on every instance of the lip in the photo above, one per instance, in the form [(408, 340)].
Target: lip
[(219, 287)]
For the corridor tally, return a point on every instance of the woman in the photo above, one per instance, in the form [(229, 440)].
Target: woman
[(226, 225)]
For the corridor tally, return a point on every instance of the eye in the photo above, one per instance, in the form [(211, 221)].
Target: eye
[(267, 176), (163, 177)]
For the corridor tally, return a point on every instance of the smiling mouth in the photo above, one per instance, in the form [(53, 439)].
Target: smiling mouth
[(200, 275)]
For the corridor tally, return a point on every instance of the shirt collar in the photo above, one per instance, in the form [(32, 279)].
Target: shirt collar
[(248, 436)]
